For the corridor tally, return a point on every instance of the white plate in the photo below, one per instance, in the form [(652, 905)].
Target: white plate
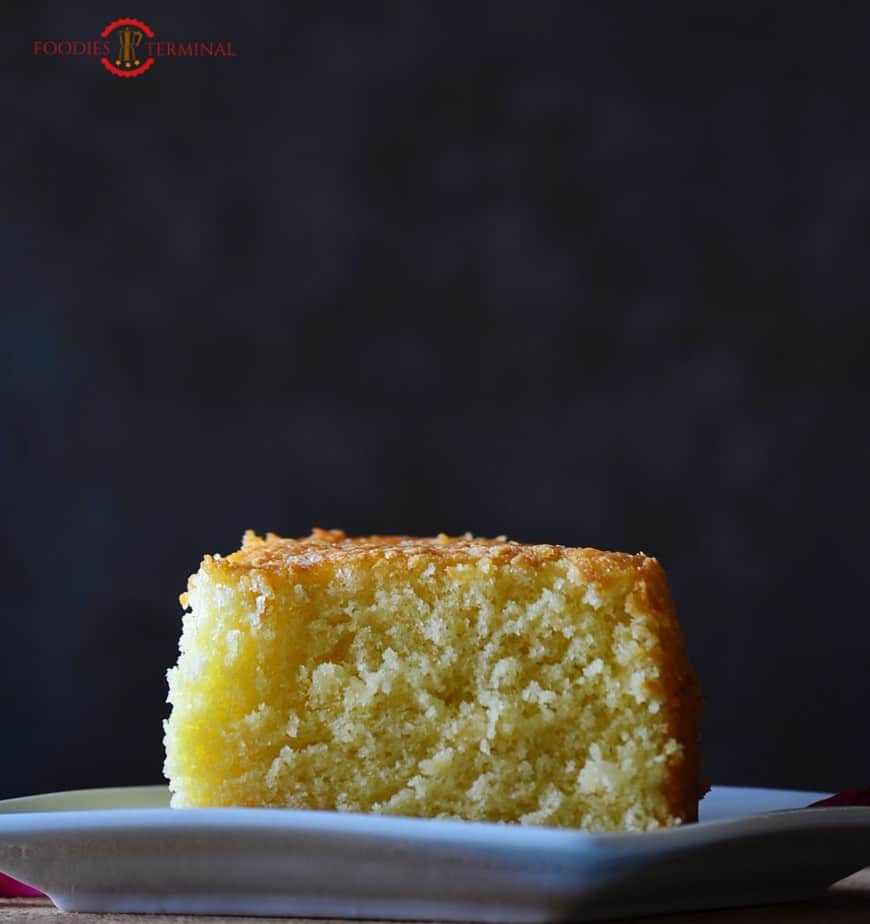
[(123, 850)]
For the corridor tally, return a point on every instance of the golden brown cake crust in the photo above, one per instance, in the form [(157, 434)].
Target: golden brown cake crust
[(283, 557)]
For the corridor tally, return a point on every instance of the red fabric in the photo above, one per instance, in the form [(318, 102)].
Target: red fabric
[(847, 797), (12, 888)]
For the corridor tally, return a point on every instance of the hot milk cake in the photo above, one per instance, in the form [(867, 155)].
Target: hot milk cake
[(441, 677)]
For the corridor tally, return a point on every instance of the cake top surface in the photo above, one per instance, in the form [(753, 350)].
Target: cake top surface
[(278, 555)]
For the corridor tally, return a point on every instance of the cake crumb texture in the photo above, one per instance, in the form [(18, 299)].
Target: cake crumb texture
[(443, 677)]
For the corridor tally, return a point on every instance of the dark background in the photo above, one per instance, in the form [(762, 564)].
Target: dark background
[(594, 274)]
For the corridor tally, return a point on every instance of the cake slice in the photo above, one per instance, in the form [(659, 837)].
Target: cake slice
[(443, 677)]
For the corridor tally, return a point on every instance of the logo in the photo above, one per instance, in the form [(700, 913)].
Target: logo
[(129, 48), (130, 33)]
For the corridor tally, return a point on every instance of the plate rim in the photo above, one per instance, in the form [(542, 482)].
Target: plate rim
[(15, 817)]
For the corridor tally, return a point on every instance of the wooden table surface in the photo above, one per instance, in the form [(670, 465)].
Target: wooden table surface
[(848, 902)]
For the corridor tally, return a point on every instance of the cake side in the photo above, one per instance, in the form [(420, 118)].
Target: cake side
[(676, 685), (437, 677)]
